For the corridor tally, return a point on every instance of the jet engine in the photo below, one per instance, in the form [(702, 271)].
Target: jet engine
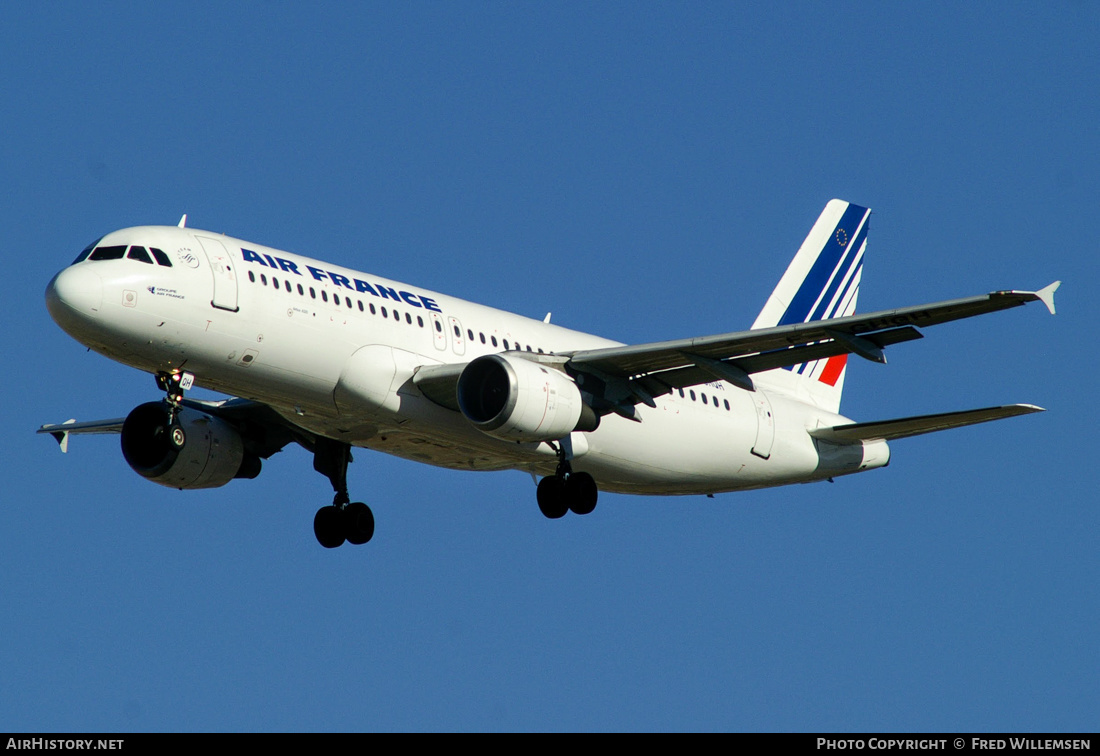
[(515, 399), (195, 450)]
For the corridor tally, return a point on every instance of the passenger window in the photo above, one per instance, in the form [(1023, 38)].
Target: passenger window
[(372, 310), (161, 258), (703, 398), (470, 334), (458, 333), (482, 338), (692, 392), (275, 282), (420, 321), (360, 305), (397, 316), (438, 325), (727, 403), (681, 393), (108, 253), (386, 314), (286, 285), (324, 295), (408, 318), (263, 279), (251, 276), (301, 291), (347, 301), (312, 293), (139, 253), (493, 339), (506, 345)]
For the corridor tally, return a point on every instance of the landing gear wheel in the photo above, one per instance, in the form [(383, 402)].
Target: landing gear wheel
[(344, 520), (581, 493), (358, 523), (328, 526), (551, 495), (177, 436)]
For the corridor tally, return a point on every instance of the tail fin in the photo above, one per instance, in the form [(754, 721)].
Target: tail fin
[(821, 282)]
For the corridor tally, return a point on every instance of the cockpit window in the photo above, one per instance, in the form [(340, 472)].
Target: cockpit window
[(108, 253), (86, 251), (139, 253), (162, 258), (117, 252)]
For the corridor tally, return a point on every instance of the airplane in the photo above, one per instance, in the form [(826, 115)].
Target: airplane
[(332, 358)]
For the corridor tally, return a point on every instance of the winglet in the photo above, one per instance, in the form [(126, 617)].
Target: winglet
[(183, 221), (1046, 295), (62, 437)]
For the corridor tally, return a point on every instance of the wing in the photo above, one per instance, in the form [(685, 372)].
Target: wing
[(263, 430), (62, 431), (655, 369), (620, 377)]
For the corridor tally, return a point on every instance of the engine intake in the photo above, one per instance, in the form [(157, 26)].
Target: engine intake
[(519, 400), (195, 451)]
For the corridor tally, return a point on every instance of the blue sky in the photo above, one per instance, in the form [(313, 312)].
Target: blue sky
[(645, 171)]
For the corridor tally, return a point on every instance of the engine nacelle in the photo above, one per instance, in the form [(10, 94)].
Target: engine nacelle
[(196, 451), (519, 400)]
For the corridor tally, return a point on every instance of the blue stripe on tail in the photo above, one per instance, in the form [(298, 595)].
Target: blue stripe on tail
[(830, 269)]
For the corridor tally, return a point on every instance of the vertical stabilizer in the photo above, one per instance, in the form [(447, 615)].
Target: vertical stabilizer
[(821, 282)]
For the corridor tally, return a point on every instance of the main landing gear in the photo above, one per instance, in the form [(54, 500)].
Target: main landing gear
[(345, 520), (566, 490)]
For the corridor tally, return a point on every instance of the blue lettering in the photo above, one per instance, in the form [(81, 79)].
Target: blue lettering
[(250, 256), (340, 280), (288, 266), (378, 290)]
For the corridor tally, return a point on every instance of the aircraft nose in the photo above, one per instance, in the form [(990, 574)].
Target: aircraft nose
[(74, 295)]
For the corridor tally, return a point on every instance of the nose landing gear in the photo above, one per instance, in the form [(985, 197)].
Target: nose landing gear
[(174, 384)]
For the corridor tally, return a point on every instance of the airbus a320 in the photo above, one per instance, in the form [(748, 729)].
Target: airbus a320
[(331, 358)]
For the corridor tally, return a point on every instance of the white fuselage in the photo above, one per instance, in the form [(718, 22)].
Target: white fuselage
[(334, 351)]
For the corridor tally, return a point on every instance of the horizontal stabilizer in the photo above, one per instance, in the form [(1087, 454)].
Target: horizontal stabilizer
[(914, 426)]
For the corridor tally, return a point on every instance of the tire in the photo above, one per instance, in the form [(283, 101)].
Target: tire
[(328, 526), (358, 523), (581, 493), (551, 497)]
